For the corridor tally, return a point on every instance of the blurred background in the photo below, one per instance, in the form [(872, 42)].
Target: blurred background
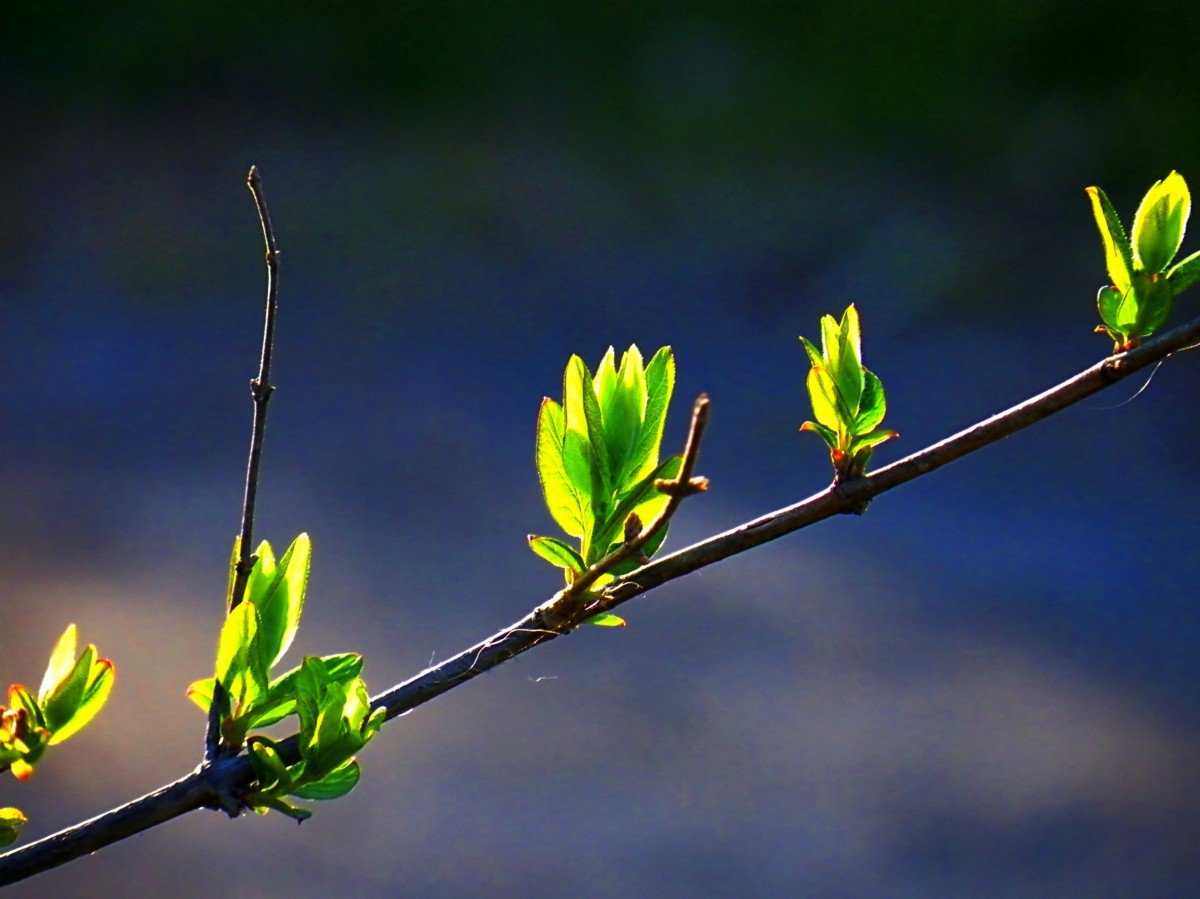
[(987, 686)]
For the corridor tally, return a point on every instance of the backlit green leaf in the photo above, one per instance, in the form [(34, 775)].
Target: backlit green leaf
[(11, 821), (814, 355), (240, 667), (1118, 255), (62, 662), (873, 404), (848, 373), (622, 408), (261, 803), (337, 782), (281, 602), (95, 695), (644, 499), (19, 697), (557, 553), (280, 699), (1155, 300), (233, 560), (1108, 302), (831, 344), (262, 575), (595, 431), (871, 440), (822, 391), (269, 769), (1159, 223), (1184, 273), (606, 619), (61, 704), (579, 459), (568, 505), (660, 384), (827, 434)]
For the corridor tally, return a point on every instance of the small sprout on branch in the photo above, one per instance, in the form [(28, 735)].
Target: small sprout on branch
[(255, 636), (597, 460), (847, 399), (73, 690), (1144, 284), (336, 722)]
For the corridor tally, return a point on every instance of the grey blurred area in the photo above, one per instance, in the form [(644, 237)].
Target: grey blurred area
[(986, 686)]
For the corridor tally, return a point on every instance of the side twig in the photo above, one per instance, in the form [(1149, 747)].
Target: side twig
[(231, 775), (260, 394)]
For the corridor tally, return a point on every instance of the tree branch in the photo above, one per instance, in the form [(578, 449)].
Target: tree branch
[(260, 395), (205, 787)]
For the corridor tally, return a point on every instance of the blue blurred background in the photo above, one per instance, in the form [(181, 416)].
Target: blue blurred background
[(987, 686)]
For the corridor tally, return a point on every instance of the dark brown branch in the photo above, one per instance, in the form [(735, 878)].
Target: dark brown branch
[(260, 395), (228, 776)]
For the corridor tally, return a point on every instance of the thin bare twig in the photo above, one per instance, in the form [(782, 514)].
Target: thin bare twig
[(229, 775), (260, 394)]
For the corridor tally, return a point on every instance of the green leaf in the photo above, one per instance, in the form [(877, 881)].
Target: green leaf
[(1159, 223), (580, 457), (337, 782), (272, 774), (822, 391), (814, 355), (1155, 300), (62, 703), (262, 575), (622, 407), (1118, 256), (11, 822), (95, 695), (201, 692), (851, 331), (1184, 273), (644, 499), (62, 663), (605, 381), (557, 553), (604, 619), (233, 560), (648, 501), (848, 372), (827, 434), (240, 667), (281, 601), (660, 384), (262, 803), (568, 505), (873, 404), (1109, 302), (871, 440), (280, 699), (596, 437), (831, 347), (311, 683), (19, 697)]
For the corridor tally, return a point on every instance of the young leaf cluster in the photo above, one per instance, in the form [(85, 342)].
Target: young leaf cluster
[(336, 721), (325, 692), (1144, 283), (597, 459), (73, 690), (847, 399)]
